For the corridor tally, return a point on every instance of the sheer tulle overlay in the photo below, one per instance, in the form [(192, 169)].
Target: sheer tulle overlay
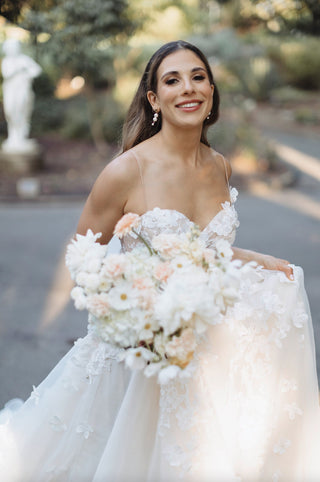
[(249, 413)]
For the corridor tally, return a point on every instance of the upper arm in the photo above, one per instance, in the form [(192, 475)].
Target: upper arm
[(105, 204)]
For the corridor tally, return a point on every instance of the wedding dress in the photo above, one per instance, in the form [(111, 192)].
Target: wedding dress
[(250, 412)]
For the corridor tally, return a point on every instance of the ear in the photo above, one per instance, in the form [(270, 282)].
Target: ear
[(152, 98), (212, 89)]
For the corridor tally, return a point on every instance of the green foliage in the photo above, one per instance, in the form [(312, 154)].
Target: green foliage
[(287, 95), (278, 16), (48, 113), (257, 76), (307, 115), (253, 74), (11, 9), (80, 36), (43, 86), (298, 61), (224, 44), (239, 135), (98, 118)]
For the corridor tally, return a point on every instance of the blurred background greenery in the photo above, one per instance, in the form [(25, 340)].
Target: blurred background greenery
[(265, 56)]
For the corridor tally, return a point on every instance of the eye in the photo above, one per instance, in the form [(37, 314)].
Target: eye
[(171, 81), (199, 77)]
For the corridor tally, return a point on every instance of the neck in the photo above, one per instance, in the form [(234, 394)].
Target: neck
[(182, 144)]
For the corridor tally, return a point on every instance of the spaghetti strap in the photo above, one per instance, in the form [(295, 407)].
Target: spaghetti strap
[(141, 179), (226, 171)]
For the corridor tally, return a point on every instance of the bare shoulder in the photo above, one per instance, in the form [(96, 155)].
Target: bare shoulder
[(115, 179), (108, 197)]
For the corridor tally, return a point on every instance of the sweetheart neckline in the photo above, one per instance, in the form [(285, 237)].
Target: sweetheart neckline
[(228, 203), (224, 205), (186, 217)]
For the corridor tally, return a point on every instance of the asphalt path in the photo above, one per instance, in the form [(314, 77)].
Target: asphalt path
[(38, 323)]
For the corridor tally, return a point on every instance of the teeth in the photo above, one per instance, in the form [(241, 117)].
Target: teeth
[(190, 104)]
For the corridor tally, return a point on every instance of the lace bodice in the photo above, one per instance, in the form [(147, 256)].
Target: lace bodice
[(157, 220)]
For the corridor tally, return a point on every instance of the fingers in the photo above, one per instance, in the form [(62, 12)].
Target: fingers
[(287, 269)]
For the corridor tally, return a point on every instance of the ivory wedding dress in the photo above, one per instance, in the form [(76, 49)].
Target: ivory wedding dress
[(250, 413)]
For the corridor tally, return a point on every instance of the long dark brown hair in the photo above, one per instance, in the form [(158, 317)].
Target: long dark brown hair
[(137, 126)]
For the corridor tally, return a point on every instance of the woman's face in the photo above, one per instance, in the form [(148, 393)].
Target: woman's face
[(184, 92)]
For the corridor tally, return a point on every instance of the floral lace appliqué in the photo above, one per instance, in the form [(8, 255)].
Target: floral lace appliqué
[(157, 220)]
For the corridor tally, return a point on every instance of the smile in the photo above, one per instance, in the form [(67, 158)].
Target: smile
[(188, 105)]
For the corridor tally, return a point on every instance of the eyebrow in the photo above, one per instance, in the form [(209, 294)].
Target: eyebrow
[(175, 72)]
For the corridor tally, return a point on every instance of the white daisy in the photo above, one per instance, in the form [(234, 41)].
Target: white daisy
[(122, 297)]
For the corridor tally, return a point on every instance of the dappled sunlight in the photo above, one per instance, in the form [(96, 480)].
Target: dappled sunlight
[(67, 87), (290, 198), (58, 295), (308, 164)]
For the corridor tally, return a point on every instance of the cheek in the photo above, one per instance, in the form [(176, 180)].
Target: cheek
[(166, 97), (209, 91)]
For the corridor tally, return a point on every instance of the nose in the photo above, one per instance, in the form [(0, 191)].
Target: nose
[(187, 85)]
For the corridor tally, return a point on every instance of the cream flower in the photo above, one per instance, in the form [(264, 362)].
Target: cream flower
[(91, 282), (137, 358), (83, 248), (122, 297), (148, 328), (224, 250), (180, 262), (128, 222), (168, 373), (80, 300)]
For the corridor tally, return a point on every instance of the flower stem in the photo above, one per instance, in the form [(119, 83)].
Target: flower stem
[(151, 251)]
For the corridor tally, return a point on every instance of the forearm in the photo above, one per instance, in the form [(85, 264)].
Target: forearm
[(264, 260), (245, 255)]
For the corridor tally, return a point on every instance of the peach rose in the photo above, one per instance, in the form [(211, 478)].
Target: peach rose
[(142, 283), (98, 305), (209, 256), (128, 222), (167, 244), (163, 271), (114, 265), (180, 349)]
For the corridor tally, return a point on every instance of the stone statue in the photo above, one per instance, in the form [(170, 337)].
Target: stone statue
[(18, 71)]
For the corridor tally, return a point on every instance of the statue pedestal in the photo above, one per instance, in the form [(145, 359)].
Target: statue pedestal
[(21, 159)]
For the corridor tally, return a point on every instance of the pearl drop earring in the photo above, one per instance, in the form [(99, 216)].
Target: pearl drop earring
[(155, 118), (208, 116)]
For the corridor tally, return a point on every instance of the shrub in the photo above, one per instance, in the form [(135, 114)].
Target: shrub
[(306, 115), (298, 61)]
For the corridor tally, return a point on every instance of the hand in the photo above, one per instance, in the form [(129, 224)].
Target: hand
[(272, 263), (264, 260)]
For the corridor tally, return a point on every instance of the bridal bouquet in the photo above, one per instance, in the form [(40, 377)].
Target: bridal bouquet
[(157, 301)]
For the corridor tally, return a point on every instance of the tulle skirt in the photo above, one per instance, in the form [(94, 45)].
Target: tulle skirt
[(250, 412)]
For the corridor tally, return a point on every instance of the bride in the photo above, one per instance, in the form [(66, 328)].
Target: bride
[(251, 411)]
